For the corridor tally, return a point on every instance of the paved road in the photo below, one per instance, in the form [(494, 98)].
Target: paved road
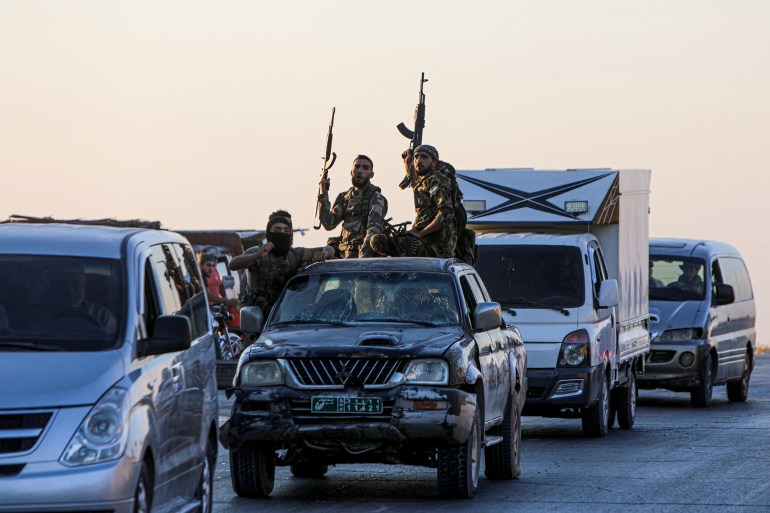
[(677, 458)]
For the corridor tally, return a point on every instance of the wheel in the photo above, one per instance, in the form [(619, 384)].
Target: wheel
[(596, 419), (701, 396), (624, 403), (143, 492), (205, 491), (459, 465), (252, 470), (309, 470), (738, 391), (503, 460)]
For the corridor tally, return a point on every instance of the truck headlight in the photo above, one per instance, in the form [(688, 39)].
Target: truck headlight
[(680, 335), (427, 371), (261, 373), (574, 349), (103, 433)]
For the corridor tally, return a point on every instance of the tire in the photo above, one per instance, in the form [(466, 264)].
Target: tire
[(252, 470), (205, 491), (459, 465), (503, 460), (596, 419), (143, 492), (702, 395), (624, 403), (738, 391), (309, 470)]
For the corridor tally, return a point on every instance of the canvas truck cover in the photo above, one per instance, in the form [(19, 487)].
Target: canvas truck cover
[(611, 204)]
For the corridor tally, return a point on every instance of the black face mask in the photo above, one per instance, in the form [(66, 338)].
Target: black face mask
[(281, 242)]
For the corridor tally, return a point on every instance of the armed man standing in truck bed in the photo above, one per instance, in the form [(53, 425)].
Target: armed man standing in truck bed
[(361, 210), (434, 233)]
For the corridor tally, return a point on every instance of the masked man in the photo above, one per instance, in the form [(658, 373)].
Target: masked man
[(271, 265)]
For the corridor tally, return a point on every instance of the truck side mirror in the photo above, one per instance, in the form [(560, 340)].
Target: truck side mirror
[(251, 320), (724, 294), (487, 316), (608, 294)]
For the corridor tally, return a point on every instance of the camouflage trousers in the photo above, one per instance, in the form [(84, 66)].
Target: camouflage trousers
[(400, 245)]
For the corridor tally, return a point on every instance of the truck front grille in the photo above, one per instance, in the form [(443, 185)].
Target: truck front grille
[(339, 372), (20, 431)]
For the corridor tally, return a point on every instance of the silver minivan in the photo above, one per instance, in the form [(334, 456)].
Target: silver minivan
[(702, 319), (107, 372)]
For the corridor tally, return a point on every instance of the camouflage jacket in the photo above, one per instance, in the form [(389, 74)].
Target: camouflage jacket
[(434, 199), (361, 213), (267, 276)]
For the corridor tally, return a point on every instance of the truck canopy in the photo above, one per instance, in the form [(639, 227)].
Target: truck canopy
[(611, 204)]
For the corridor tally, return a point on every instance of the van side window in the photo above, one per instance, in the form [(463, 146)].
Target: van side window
[(151, 310), (736, 275), (195, 305), (177, 289)]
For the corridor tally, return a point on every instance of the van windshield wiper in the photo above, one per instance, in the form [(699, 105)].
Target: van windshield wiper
[(530, 302), (28, 346)]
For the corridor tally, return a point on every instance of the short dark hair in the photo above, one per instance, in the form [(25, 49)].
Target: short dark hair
[(206, 257), (364, 157)]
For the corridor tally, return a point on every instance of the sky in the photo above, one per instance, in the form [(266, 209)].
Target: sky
[(208, 115)]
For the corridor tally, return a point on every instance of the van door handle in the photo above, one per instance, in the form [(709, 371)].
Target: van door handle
[(177, 377)]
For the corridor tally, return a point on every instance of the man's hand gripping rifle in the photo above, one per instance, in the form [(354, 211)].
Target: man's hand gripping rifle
[(329, 158)]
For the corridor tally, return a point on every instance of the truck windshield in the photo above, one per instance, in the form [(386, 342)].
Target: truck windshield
[(533, 276), (368, 297), (676, 278), (55, 303)]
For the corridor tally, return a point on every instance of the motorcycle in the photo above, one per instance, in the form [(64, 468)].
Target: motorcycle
[(229, 343)]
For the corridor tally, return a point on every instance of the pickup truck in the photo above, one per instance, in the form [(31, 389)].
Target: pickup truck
[(391, 360)]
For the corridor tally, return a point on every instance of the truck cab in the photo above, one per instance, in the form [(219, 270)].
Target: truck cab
[(564, 253)]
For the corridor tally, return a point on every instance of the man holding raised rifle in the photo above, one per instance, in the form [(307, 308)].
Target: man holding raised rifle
[(361, 210), (434, 232)]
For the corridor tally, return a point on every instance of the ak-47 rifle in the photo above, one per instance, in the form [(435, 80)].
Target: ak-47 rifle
[(419, 120), (329, 158)]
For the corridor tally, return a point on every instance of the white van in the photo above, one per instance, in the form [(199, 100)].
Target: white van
[(702, 319), (107, 372)]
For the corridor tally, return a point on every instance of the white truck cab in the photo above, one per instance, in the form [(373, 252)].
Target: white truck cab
[(565, 253)]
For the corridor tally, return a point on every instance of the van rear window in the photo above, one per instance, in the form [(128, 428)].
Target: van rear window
[(56, 303)]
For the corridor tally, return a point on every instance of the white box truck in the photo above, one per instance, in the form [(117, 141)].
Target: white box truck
[(565, 253)]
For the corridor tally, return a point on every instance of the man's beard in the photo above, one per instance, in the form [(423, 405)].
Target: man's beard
[(359, 182), (422, 172)]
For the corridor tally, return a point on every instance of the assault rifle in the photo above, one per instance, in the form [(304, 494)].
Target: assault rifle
[(329, 158), (419, 120), (395, 230)]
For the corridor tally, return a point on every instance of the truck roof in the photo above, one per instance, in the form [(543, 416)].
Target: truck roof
[(67, 239), (690, 247), (404, 264)]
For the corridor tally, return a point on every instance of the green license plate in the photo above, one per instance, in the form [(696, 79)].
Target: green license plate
[(363, 405)]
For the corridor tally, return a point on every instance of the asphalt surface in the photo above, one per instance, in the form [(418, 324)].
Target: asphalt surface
[(677, 458)]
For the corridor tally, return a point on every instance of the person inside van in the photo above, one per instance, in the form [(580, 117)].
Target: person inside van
[(689, 279), (70, 287), (654, 282)]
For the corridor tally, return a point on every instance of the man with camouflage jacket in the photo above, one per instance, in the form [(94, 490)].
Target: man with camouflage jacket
[(433, 233), (361, 210)]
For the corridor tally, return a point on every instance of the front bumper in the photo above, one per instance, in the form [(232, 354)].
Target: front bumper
[(51, 487), (664, 368), (551, 390), (281, 414)]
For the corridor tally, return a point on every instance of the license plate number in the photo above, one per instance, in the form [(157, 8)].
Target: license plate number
[(363, 405)]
